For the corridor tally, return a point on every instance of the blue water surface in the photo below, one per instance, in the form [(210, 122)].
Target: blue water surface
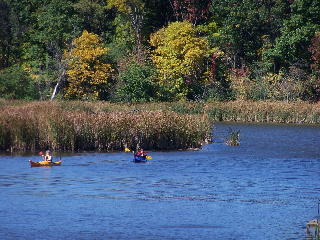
[(267, 188)]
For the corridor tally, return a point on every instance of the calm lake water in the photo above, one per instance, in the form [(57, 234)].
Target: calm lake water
[(267, 188)]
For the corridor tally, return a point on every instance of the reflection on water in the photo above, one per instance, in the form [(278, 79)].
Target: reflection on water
[(267, 188)]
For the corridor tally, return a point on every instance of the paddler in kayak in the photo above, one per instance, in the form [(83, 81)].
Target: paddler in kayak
[(140, 155), (47, 157), (47, 160)]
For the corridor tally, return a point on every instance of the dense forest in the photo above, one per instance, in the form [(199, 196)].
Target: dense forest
[(160, 50)]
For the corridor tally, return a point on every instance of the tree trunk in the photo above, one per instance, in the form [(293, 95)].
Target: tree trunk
[(62, 69), (60, 81)]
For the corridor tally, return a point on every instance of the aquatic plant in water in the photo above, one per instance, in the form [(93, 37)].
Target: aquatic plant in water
[(233, 138)]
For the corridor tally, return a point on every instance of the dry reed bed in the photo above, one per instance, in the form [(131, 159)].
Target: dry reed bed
[(270, 112), (242, 111), (77, 127), (105, 126)]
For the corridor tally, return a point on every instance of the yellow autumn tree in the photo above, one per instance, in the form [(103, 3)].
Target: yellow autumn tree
[(180, 56), (87, 74)]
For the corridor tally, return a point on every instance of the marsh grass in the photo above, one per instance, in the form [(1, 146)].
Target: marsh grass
[(104, 126), (268, 112), (79, 126)]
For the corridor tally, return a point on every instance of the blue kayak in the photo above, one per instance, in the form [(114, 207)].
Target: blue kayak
[(140, 159)]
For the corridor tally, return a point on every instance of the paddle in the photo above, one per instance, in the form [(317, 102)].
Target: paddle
[(127, 150)]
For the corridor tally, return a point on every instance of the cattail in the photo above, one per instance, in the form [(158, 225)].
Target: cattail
[(78, 126)]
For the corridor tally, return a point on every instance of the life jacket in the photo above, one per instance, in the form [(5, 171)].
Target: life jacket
[(48, 158)]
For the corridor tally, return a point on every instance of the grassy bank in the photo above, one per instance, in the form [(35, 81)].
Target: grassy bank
[(78, 126)]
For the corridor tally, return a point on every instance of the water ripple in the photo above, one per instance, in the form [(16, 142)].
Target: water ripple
[(267, 188)]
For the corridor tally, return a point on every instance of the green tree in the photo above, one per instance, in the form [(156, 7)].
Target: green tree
[(15, 83), (137, 83), (123, 40), (50, 26), (291, 47), (94, 16), (5, 34), (246, 26), (134, 10)]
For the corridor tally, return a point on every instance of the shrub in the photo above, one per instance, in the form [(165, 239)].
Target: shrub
[(16, 84), (136, 84)]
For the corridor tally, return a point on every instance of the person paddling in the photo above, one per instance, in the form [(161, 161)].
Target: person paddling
[(141, 156), (141, 153), (47, 157)]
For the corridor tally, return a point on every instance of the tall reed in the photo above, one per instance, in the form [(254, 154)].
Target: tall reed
[(77, 126), (105, 126), (242, 111), (270, 112)]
